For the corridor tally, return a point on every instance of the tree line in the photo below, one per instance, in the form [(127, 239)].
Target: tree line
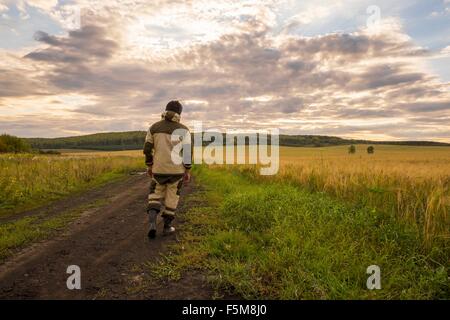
[(135, 139), (12, 144)]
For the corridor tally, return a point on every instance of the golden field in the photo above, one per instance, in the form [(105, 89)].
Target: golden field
[(412, 183), (409, 182)]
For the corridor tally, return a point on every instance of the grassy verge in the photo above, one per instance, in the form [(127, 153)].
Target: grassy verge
[(267, 239), (29, 181), (18, 234)]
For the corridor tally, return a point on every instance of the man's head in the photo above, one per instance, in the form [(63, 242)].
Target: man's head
[(174, 106)]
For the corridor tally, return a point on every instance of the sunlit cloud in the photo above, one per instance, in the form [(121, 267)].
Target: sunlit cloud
[(236, 65)]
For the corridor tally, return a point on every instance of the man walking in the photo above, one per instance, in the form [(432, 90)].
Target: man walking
[(162, 166)]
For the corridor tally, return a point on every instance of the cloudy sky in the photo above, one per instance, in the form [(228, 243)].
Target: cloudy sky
[(356, 68)]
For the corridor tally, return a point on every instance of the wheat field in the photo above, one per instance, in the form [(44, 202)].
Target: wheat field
[(408, 182), (411, 183)]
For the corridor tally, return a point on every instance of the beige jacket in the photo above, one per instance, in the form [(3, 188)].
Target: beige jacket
[(165, 139)]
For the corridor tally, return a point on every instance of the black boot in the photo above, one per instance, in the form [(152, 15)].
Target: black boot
[(168, 229), (152, 215)]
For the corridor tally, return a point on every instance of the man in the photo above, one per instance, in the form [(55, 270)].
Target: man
[(167, 171)]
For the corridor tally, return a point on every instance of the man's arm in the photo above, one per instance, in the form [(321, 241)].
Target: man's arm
[(148, 151)]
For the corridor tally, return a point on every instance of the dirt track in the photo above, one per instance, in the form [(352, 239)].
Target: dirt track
[(111, 247)]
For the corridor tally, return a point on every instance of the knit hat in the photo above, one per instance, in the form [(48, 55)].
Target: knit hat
[(174, 106)]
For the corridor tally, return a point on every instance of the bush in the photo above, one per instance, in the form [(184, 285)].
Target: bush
[(13, 144)]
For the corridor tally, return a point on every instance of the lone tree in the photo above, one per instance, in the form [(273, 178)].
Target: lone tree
[(352, 149), (370, 149)]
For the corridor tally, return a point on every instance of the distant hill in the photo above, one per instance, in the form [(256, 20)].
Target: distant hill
[(131, 140), (109, 141), (323, 141)]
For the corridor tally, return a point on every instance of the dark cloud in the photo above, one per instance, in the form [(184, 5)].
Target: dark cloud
[(382, 76), (299, 66), (17, 83), (89, 43), (415, 92), (285, 106), (445, 120), (344, 45), (427, 106), (363, 113), (44, 37)]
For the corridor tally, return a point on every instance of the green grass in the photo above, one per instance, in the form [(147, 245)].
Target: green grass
[(18, 234), (262, 239)]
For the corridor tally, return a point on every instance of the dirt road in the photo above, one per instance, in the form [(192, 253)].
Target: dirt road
[(111, 247)]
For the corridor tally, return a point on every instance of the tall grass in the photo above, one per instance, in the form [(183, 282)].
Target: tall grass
[(422, 201), (267, 239), (30, 179), (409, 183)]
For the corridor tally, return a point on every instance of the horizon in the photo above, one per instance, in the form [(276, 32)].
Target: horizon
[(238, 133), (349, 69)]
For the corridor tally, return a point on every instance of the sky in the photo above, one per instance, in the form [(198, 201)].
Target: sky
[(375, 70)]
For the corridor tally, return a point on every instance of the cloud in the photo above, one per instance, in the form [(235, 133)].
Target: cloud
[(19, 79), (428, 106), (344, 83), (42, 4), (3, 8), (84, 45), (16, 84), (384, 75)]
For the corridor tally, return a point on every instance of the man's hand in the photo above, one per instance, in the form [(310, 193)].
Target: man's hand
[(187, 177), (149, 172)]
